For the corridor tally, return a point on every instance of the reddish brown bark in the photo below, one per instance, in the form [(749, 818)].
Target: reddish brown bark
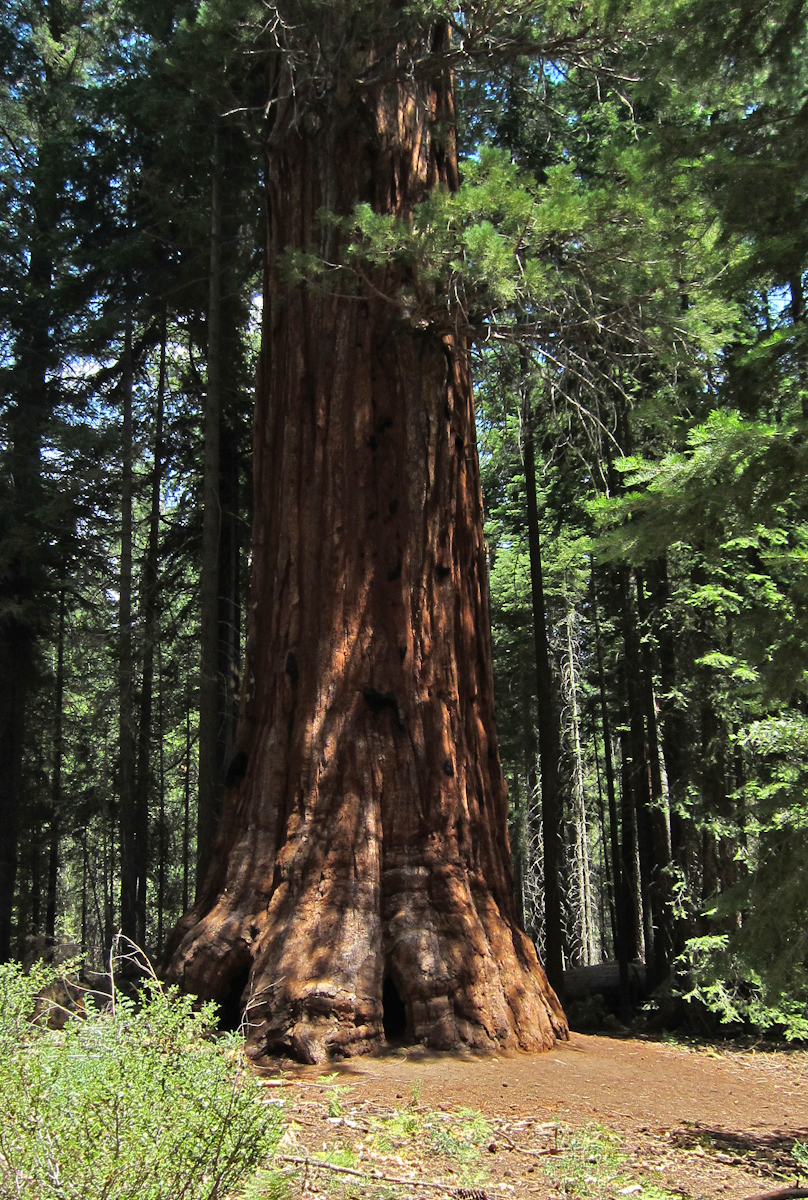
[(363, 856)]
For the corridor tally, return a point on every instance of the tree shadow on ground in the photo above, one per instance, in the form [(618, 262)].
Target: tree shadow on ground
[(769, 1152)]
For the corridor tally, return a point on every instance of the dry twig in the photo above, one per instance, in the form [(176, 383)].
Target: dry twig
[(376, 1176), (534, 1153)]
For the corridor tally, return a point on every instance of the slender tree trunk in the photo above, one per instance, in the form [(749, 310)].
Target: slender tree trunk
[(636, 763), (107, 927), (607, 896), (581, 847), (23, 580), (658, 816), (14, 682), (126, 665), (531, 920), (210, 779), (35, 873), (150, 617), (674, 738), (100, 916), (798, 319), (56, 781), (186, 810), (163, 817), (629, 853), (520, 808), (362, 866), (229, 615), (549, 735), (84, 882), (534, 851), (718, 866), (625, 945)]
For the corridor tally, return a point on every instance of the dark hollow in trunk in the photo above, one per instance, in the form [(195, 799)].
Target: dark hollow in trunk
[(364, 836)]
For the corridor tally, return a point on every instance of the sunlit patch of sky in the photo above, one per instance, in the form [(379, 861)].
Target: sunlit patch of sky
[(256, 314), (779, 299)]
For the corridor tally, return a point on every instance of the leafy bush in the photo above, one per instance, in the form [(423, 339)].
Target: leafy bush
[(135, 1103)]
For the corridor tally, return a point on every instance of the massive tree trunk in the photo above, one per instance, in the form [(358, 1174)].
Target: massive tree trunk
[(361, 880)]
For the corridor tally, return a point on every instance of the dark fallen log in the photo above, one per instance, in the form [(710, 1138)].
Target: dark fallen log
[(592, 997), (789, 1193), (603, 979)]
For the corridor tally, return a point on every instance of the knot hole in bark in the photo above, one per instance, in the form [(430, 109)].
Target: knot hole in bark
[(378, 701), (291, 670), (394, 1012), (230, 1010), (237, 769)]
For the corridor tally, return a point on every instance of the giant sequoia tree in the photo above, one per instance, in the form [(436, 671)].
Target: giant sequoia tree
[(361, 878)]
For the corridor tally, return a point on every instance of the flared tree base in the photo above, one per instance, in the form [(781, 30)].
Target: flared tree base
[(437, 965)]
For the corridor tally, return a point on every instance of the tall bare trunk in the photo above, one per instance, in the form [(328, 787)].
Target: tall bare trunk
[(361, 883), (15, 682), (583, 885), (209, 773), (661, 897), (625, 942), (23, 579), (634, 759), (150, 619), (606, 897), (549, 735), (162, 837), (126, 662), (186, 808), (56, 779), (797, 307), (674, 738)]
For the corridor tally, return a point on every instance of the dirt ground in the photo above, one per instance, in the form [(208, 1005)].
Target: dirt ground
[(702, 1121)]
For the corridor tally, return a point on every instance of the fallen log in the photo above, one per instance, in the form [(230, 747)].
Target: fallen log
[(788, 1193)]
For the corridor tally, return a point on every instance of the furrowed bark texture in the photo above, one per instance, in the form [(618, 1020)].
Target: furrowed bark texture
[(364, 850)]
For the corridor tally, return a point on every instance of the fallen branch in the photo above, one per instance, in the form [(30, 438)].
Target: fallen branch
[(378, 1176), (541, 1153), (789, 1193)]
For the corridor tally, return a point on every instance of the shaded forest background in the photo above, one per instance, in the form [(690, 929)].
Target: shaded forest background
[(628, 250)]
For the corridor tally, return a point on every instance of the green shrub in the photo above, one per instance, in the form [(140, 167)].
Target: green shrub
[(135, 1103)]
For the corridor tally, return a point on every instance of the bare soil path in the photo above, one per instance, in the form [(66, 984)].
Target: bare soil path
[(698, 1120)]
